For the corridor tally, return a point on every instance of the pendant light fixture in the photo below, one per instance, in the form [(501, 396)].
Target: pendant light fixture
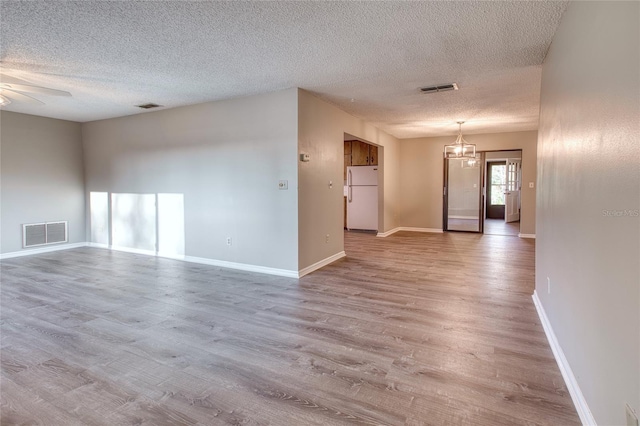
[(460, 148), (470, 163)]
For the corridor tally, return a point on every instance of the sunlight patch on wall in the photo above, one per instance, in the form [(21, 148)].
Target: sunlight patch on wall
[(171, 224), (99, 216), (133, 221)]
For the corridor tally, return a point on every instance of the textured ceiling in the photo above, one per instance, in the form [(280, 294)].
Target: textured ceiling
[(114, 55)]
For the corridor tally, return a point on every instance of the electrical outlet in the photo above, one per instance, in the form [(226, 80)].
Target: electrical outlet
[(283, 184), (326, 238), (632, 419), (228, 241), (548, 285)]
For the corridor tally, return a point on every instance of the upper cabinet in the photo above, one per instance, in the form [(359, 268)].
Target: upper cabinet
[(361, 153), (373, 155)]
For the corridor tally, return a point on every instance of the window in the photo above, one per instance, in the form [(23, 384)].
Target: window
[(498, 184)]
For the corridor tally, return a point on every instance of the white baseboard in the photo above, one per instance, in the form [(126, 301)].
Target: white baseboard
[(242, 266), (570, 380), (204, 261), (133, 250), (527, 236), (410, 229), (98, 245), (40, 250), (318, 265), (387, 233)]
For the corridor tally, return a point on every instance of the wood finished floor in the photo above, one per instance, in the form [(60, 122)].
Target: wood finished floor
[(500, 227), (412, 329)]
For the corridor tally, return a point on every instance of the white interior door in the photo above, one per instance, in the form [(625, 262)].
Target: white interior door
[(512, 194)]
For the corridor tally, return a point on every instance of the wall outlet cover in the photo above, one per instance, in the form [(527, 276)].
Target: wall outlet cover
[(283, 184)]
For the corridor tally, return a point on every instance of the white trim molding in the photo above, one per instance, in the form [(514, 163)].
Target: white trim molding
[(410, 229), (586, 417), (241, 266), (527, 236), (28, 252), (204, 261), (318, 265)]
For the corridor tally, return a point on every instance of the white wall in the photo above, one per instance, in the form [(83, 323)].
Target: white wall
[(422, 176), (226, 158), (41, 176), (588, 176), (321, 135)]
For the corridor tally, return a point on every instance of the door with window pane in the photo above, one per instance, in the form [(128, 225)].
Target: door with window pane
[(496, 188)]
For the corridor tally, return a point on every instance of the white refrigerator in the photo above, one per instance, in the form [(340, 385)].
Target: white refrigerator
[(362, 197)]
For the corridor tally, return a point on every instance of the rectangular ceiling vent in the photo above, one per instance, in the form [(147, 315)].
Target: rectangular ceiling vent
[(148, 106), (39, 234), (439, 88)]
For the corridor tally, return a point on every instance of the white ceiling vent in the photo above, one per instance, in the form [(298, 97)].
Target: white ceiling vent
[(39, 234), (439, 88)]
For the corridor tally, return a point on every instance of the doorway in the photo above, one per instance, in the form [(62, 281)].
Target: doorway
[(463, 194), (362, 192), (483, 195), (503, 189)]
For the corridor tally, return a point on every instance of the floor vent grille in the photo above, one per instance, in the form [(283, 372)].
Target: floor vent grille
[(39, 234)]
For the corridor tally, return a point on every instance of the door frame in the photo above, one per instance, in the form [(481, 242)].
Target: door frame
[(488, 185), (445, 196), (503, 158)]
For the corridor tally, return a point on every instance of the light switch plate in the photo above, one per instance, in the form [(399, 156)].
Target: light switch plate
[(283, 184), (530, 184)]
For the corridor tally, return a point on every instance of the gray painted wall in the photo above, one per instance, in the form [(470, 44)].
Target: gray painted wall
[(588, 176), (41, 175), (226, 158)]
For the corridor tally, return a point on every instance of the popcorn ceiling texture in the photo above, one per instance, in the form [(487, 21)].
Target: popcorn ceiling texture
[(114, 55)]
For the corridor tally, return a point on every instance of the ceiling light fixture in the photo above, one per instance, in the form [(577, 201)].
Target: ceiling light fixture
[(471, 163), (460, 148)]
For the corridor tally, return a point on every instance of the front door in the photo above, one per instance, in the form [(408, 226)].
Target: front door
[(496, 177)]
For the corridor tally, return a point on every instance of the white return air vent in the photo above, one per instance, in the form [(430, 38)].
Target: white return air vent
[(39, 234)]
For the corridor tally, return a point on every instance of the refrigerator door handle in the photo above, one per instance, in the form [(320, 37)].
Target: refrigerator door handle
[(349, 185)]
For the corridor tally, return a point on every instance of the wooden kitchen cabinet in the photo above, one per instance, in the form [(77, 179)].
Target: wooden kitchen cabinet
[(373, 155), (359, 153), (347, 147)]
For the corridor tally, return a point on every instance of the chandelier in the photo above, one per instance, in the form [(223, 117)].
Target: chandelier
[(460, 148)]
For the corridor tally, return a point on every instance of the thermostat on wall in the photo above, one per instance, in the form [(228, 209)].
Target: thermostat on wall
[(304, 157)]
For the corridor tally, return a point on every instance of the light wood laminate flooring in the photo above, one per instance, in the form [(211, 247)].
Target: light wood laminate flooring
[(412, 329), (500, 227)]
